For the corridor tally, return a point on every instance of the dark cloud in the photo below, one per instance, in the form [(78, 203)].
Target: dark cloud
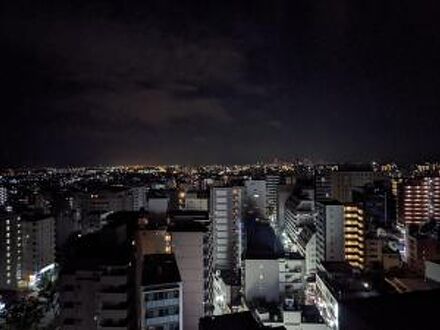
[(231, 81)]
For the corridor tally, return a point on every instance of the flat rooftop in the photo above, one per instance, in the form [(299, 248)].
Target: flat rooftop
[(235, 321), (160, 269)]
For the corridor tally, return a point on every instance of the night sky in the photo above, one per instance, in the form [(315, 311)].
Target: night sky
[(99, 82)]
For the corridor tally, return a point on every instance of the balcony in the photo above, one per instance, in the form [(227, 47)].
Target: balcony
[(114, 297), (115, 280), (109, 314), (109, 324)]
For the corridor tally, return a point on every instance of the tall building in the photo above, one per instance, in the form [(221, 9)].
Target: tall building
[(11, 249), (378, 202), (419, 200), (38, 245), (226, 215), (330, 231), (3, 196), (299, 211), (284, 193), (272, 183), (273, 279), (256, 196), (97, 286), (354, 235), (113, 198), (161, 294), (323, 184), (306, 245), (138, 196), (192, 246), (262, 195)]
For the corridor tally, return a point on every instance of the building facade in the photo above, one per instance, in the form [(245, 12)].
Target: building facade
[(419, 200), (192, 246), (354, 235), (226, 215), (330, 231), (11, 250)]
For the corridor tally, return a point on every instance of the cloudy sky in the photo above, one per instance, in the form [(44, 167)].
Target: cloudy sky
[(111, 82)]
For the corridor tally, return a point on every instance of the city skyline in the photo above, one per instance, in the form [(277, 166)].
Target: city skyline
[(197, 82)]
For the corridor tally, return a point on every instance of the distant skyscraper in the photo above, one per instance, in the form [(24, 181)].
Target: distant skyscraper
[(330, 231), (419, 200)]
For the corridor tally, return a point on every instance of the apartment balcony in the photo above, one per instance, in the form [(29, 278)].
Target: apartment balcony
[(112, 314), (115, 280), (114, 297), (114, 311), (109, 324), (114, 294)]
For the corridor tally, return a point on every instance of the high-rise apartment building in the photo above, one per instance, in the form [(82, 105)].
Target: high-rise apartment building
[(284, 192), (330, 231), (256, 196), (192, 246), (354, 235), (3, 196), (306, 245), (272, 183), (419, 200), (299, 211), (97, 287), (226, 215), (262, 195), (38, 244), (138, 198), (11, 249), (161, 294)]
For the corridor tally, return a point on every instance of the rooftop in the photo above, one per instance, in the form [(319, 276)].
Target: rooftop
[(187, 226), (344, 283), (160, 269), (235, 321)]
